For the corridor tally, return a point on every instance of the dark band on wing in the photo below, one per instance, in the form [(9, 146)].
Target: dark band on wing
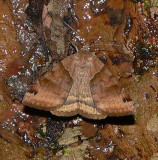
[(81, 101)]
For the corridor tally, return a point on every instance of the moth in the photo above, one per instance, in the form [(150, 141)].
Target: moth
[(79, 84)]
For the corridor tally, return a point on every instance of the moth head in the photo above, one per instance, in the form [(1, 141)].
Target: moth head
[(83, 62), (84, 59)]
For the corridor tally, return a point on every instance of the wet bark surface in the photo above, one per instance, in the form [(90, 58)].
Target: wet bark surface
[(36, 35)]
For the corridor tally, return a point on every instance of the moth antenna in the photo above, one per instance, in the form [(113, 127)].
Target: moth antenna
[(68, 25), (85, 46), (73, 45), (72, 30), (104, 44)]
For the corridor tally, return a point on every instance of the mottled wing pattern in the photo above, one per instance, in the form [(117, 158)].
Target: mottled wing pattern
[(108, 95), (51, 90)]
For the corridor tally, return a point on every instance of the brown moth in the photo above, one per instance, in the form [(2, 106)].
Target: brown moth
[(79, 84)]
